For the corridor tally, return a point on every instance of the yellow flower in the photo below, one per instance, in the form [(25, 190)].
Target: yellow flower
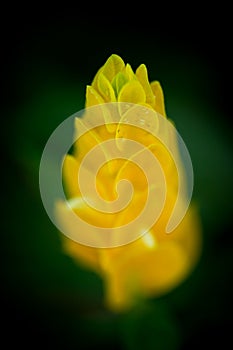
[(116, 82), (156, 262)]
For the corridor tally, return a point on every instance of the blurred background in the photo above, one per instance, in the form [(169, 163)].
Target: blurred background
[(48, 58)]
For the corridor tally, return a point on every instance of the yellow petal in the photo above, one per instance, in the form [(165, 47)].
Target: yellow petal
[(141, 74), (113, 65), (129, 72), (93, 97), (146, 272), (159, 150), (71, 217), (105, 89), (134, 174), (86, 137), (95, 80), (93, 216), (105, 179), (119, 81), (134, 133), (132, 92), (187, 233), (85, 143), (70, 176), (133, 210), (73, 214), (162, 270), (159, 98)]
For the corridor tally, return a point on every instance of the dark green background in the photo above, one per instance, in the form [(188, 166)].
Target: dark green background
[(48, 58)]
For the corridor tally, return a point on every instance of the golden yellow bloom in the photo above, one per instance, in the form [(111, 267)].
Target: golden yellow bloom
[(156, 262)]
